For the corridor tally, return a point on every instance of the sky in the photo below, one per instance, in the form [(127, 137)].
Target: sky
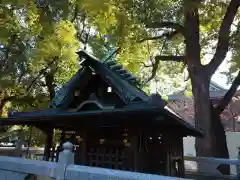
[(217, 77), (220, 78)]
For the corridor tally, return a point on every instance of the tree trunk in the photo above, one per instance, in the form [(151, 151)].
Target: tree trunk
[(214, 143), (2, 104), (202, 105), (202, 115), (1, 108), (219, 143), (200, 80), (49, 78)]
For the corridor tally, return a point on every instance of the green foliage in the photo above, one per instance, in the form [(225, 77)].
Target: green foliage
[(30, 41), (34, 34), (37, 33), (122, 24), (235, 48), (59, 41), (31, 36)]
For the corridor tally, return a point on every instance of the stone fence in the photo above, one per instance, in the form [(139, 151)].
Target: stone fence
[(211, 170), (13, 168), (191, 162)]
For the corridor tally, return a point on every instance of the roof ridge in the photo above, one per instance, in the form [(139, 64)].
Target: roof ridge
[(181, 92), (111, 68), (121, 71), (113, 65)]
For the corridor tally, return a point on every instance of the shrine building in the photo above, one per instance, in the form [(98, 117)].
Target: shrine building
[(111, 122)]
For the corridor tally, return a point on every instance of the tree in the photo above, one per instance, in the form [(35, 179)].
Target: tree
[(214, 142), (32, 38), (38, 43), (197, 28), (117, 24), (48, 38)]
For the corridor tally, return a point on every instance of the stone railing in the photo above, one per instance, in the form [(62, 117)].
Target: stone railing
[(43, 168), (12, 168), (210, 170), (22, 152)]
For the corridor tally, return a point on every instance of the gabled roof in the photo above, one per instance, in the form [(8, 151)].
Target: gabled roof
[(124, 83), (125, 86), (216, 91)]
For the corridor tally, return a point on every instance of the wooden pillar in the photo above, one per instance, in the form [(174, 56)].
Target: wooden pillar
[(142, 152), (167, 149), (73, 139), (134, 142), (59, 148), (177, 156), (48, 143), (81, 151), (181, 162), (53, 153), (175, 161), (127, 162), (154, 155)]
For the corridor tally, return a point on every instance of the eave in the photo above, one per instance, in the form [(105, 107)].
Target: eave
[(144, 116)]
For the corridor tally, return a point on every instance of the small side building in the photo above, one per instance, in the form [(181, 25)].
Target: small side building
[(111, 122)]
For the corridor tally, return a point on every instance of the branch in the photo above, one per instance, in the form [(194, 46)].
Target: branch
[(11, 42), (167, 35), (7, 99), (162, 58), (165, 24), (170, 58), (170, 25), (228, 96), (223, 38), (80, 34), (145, 65), (23, 99), (43, 71), (155, 65), (154, 71), (49, 78), (76, 10), (42, 84)]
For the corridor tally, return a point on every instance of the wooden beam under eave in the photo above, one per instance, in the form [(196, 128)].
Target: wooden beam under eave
[(48, 143)]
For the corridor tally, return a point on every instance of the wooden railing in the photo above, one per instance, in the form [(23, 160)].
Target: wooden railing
[(12, 168)]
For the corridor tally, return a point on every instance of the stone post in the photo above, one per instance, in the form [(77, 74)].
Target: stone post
[(238, 166), (19, 145), (66, 157)]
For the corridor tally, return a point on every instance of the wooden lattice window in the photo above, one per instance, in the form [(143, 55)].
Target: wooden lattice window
[(106, 157)]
